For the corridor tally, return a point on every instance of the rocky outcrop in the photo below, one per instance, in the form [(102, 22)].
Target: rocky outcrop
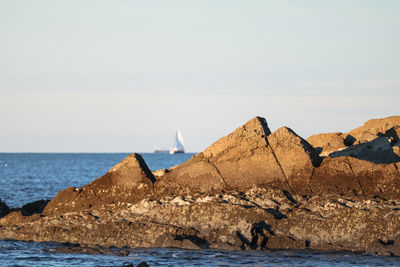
[(252, 189), (127, 182), (349, 176), (374, 128), (249, 156), (255, 219), (295, 156), (240, 159), (327, 143), (375, 141)]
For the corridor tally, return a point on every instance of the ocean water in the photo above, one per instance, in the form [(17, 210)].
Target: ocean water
[(26, 177)]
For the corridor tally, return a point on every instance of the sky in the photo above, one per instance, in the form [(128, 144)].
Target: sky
[(121, 76)]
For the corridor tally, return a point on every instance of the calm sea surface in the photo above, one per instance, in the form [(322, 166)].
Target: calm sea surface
[(28, 177)]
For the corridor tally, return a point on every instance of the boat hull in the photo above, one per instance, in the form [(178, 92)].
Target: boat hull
[(176, 152)]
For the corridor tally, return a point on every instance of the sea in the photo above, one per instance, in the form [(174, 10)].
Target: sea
[(26, 177)]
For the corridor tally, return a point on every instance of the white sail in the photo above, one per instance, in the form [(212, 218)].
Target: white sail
[(179, 140), (178, 143)]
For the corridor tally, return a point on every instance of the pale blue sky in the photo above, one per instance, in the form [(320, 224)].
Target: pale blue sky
[(111, 76)]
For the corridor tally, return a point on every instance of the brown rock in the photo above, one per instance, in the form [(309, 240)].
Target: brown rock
[(131, 173), (396, 149), (16, 217), (241, 159), (249, 156), (370, 131), (234, 195), (335, 176), (377, 179), (352, 176), (196, 175), (372, 128), (295, 156), (327, 142), (127, 182)]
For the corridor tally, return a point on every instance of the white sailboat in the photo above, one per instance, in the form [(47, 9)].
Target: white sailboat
[(178, 146)]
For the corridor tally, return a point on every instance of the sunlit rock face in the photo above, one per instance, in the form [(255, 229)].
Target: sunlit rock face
[(248, 157), (251, 189), (128, 181), (376, 141)]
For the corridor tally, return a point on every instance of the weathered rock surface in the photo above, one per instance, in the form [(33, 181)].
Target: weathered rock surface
[(252, 189), (258, 218), (374, 128), (128, 181), (375, 141), (240, 159), (378, 151), (249, 156), (327, 142)]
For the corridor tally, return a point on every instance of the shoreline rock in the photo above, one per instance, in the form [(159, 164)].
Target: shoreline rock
[(251, 189)]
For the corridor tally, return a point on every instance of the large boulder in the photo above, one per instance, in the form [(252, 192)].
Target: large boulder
[(366, 142), (377, 179), (295, 156), (349, 176), (127, 182), (375, 128), (240, 159), (250, 156), (335, 176), (327, 143)]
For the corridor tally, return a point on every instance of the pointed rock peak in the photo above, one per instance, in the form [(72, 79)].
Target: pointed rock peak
[(134, 160), (259, 125), (286, 139), (286, 132), (133, 167), (245, 138)]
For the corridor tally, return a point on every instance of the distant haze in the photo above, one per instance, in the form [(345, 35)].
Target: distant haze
[(121, 76)]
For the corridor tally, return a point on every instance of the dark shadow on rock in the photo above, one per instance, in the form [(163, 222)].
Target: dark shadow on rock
[(318, 149), (35, 207), (200, 242), (260, 232), (245, 241), (277, 214), (4, 209), (379, 157), (387, 243), (289, 197), (349, 140), (145, 168), (392, 135), (377, 151), (246, 206), (258, 228)]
